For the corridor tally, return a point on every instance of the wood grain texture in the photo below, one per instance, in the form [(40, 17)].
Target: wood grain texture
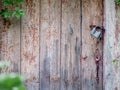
[(56, 49), (30, 44), (70, 45), (92, 14), (50, 45), (10, 44), (112, 46)]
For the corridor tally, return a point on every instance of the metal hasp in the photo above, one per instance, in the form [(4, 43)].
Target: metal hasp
[(97, 31), (97, 58)]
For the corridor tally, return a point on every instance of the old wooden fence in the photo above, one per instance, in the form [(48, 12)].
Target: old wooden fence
[(52, 46)]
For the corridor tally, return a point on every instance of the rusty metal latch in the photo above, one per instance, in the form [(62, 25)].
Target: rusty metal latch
[(97, 31), (97, 58)]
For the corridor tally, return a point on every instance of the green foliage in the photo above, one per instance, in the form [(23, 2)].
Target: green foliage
[(117, 1), (14, 11), (10, 81), (7, 2), (115, 61)]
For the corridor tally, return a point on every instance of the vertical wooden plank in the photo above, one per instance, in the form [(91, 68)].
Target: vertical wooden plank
[(112, 46), (30, 44), (50, 45), (92, 14), (14, 45), (70, 45), (10, 44)]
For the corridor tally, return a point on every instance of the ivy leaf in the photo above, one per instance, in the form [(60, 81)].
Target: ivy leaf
[(6, 13), (18, 12), (3, 11), (7, 2), (19, 1), (115, 61), (117, 1), (15, 11)]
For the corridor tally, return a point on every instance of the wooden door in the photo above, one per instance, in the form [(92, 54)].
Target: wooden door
[(55, 50), (68, 52)]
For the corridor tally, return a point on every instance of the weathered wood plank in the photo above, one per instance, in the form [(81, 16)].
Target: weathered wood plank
[(70, 45), (30, 43), (92, 14), (112, 46), (32, 86), (10, 44), (50, 45)]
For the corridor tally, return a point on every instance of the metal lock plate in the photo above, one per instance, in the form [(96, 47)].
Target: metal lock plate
[(97, 32)]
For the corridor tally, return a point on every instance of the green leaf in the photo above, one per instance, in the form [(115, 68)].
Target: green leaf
[(20, 87), (110, 47), (17, 8), (6, 13), (115, 61), (19, 1), (18, 12), (7, 2), (117, 1), (15, 11), (10, 80)]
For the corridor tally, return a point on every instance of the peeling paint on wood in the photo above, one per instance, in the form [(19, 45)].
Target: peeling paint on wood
[(10, 44), (56, 51), (30, 43)]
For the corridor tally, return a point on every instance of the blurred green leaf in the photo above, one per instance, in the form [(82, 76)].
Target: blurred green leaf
[(20, 87), (115, 61), (18, 12), (11, 81), (117, 1), (6, 2), (19, 1), (15, 11)]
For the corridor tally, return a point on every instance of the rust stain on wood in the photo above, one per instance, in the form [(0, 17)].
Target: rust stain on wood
[(117, 29), (30, 57), (64, 1), (30, 42), (10, 43), (89, 65)]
